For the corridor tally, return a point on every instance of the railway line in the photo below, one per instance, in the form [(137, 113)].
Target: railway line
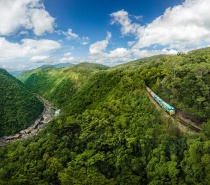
[(190, 126), (159, 102)]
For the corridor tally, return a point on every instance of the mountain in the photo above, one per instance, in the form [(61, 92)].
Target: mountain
[(15, 73), (109, 132), (61, 65), (18, 107), (58, 85)]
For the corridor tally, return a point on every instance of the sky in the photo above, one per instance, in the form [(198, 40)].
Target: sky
[(109, 32)]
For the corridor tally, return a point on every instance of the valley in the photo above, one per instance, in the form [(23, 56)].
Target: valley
[(104, 92), (47, 115), (109, 132)]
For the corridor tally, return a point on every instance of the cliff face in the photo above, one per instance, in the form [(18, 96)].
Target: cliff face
[(18, 107)]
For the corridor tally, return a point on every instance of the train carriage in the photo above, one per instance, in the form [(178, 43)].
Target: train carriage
[(168, 108)]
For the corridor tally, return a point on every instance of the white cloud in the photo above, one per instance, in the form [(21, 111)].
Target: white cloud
[(67, 58), (127, 27), (98, 47), (41, 21), (70, 35), (98, 54), (28, 48), (84, 40), (18, 67), (38, 47), (25, 14), (138, 17), (183, 27), (131, 43), (23, 33), (123, 55), (39, 59), (67, 54), (113, 57), (119, 53), (21, 67), (137, 53)]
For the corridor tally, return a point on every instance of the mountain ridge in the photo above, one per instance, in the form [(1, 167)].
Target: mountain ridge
[(19, 108), (109, 132)]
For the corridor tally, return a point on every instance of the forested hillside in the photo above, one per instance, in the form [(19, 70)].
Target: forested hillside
[(58, 85), (183, 80), (18, 107), (110, 133)]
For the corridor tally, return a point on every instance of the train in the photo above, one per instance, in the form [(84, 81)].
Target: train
[(168, 108)]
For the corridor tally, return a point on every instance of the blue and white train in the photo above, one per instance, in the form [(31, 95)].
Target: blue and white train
[(168, 108)]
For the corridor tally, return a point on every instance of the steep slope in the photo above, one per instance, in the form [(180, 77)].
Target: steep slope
[(183, 80), (61, 65), (58, 85), (18, 107), (110, 133)]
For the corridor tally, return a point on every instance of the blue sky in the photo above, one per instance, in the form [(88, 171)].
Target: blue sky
[(37, 32)]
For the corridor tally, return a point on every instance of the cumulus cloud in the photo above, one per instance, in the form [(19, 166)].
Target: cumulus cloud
[(139, 17), (98, 54), (98, 47), (67, 54), (41, 21), (131, 43), (84, 40), (183, 27), (137, 53), (18, 67), (23, 33), (25, 14), (122, 18), (67, 58), (37, 47), (70, 35), (28, 48), (39, 59), (119, 53), (113, 57)]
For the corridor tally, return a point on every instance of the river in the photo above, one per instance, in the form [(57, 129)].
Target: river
[(47, 115)]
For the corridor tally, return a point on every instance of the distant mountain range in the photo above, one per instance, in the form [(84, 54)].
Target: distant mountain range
[(61, 65)]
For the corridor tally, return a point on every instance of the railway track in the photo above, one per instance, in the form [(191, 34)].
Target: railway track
[(190, 126), (186, 124)]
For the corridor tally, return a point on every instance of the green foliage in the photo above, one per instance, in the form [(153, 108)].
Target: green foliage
[(181, 80), (18, 107), (59, 85), (110, 133)]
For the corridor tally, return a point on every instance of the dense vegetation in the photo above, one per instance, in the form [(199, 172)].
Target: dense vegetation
[(110, 133), (182, 80), (18, 107), (58, 85)]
